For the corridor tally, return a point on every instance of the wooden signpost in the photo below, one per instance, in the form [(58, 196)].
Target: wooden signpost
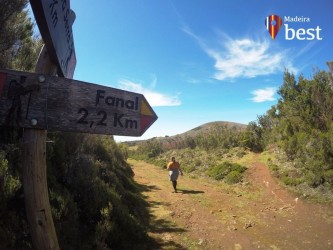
[(53, 103), (54, 19), (36, 194), (41, 102)]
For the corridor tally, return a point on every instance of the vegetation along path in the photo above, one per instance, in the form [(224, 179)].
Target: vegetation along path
[(206, 214)]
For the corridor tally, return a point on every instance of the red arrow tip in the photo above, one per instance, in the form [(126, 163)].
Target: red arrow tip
[(146, 121), (148, 116)]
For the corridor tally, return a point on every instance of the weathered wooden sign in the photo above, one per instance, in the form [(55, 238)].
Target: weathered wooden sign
[(55, 19), (32, 100)]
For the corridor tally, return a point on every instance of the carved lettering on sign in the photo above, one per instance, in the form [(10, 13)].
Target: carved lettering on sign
[(119, 120), (53, 12), (116, 101)]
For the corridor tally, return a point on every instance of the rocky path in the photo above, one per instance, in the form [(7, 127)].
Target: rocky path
[(206, 214)]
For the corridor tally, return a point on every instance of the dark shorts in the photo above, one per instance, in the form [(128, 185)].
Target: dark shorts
[(173, 175)]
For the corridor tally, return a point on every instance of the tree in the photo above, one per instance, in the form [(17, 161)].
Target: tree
[(19, 49), (302, 125), (252, 137)]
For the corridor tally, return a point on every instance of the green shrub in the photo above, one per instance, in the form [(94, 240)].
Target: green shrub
[(328, 176), (313, 180), (197, 162), (220, 171), (189, 168), (237, 167), (292, 181), (233, 177), (159, 162), (273, 167), (240, 154), (93, 195), (8, 183)]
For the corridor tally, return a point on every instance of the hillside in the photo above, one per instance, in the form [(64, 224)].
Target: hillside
[(208, 127), (202, 129)]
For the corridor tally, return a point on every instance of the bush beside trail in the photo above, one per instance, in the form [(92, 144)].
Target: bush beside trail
[(199, 162), (92, 194), (230, 172)]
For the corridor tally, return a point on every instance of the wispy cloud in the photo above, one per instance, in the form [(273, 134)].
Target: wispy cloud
[(244, 58), (263, 95), (154, 98)]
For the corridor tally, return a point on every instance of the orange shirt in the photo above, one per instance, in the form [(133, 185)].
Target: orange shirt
[(173, 165)]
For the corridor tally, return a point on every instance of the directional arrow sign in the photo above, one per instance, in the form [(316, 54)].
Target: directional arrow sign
[(53, 103), (54, 19)]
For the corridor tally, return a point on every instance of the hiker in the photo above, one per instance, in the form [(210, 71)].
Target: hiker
[(174, 170)]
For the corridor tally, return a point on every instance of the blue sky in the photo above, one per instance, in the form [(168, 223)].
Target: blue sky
[(198, 61)]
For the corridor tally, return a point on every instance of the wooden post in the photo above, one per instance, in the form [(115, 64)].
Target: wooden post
[(37, 202)]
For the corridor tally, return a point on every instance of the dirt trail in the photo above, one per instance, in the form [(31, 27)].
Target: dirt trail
[(206, 214)]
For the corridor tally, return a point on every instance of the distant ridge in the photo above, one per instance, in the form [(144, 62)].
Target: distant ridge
[(204, 128)]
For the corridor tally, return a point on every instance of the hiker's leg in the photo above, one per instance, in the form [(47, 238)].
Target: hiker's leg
[(174, 184)]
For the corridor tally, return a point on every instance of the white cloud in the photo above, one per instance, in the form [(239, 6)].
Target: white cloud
[(154, 98), (263, 95), (244, 58)]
